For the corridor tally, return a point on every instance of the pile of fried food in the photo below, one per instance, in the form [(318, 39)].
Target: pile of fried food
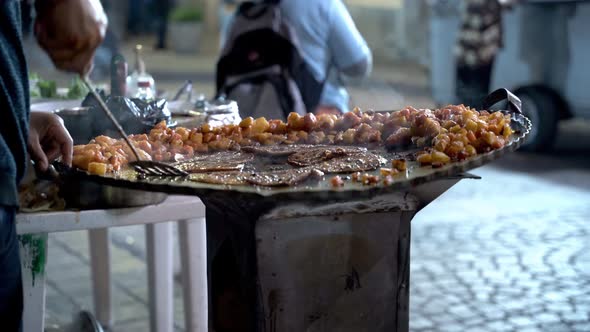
[(452, 133)]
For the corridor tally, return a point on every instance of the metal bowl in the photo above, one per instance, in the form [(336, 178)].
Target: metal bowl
[(79, 123), (87, 195), (72, 111)]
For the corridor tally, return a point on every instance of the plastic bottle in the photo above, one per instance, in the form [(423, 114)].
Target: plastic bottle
[(140, 84), (118, 75)]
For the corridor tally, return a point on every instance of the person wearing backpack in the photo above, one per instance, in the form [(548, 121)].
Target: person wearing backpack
[(291, 56)]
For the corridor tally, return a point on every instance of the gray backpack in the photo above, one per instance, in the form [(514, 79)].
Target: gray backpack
[(261, 67)]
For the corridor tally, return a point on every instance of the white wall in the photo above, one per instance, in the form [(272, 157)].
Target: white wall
[(394, 29)]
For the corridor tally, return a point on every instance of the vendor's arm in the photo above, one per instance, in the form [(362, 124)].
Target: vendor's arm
[(48, 140), (70, 31)]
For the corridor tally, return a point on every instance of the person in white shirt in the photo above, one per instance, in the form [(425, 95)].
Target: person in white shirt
[(330, 44)]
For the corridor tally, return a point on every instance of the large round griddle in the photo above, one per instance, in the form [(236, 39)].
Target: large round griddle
[(323, 188), (233, 211)]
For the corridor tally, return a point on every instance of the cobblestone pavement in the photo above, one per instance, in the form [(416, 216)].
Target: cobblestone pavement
[(509, 252)]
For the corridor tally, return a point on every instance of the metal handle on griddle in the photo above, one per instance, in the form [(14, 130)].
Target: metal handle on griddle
[(105, 108), (514, 103)]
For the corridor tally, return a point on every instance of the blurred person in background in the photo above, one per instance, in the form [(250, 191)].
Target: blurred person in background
[(136, 17), (224, 14), (162, 12), (480, 40), (330, 44), (70, 31)]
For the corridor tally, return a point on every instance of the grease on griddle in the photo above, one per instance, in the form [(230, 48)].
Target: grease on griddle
[(281, 178), (216, 162), (357, 162), (282, 150), (227, 178), (319, 154)]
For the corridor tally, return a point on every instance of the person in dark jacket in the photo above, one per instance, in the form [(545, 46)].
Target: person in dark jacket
[(162, 11), (70, 31)]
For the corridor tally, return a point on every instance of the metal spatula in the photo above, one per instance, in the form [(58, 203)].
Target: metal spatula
[(145, 167)]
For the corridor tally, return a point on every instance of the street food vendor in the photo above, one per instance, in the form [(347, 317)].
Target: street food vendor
[(70, 31)]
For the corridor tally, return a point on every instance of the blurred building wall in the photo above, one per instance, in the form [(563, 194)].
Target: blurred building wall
[(416, 15), (210, 32), (396, 30)]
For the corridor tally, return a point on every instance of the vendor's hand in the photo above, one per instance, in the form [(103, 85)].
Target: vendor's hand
[(48, 139), (70, 31), (327, 110)]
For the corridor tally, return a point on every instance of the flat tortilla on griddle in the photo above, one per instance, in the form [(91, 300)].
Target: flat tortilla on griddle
[(215, 162), (319, 154), (357, 162), (284, 178), (228, 178), (282, 150)]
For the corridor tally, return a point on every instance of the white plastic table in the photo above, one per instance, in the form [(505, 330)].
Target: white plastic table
[(188, 211)]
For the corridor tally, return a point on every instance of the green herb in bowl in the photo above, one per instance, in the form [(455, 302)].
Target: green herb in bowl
[(47, 89), (77, 89)]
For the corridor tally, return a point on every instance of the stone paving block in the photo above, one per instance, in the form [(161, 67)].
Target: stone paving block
[(461, 312), (455, 297), (581, 307), (77, 240), (128, 309), (510, 291), (421, 323), (482, 296), (576, 317), (79, 290), (556, 327), (473, 323), (571, 291), (494, 313), (76, 273), (134, 282), (434, 308), (514, 304), (547, 278), (507, 260), (581, 327), (442, 320), (498, 326), (55, 300), (559, 307), (61, 260), (458, 327), (125, 262), (468, 275), (522, 321), (547, 318)]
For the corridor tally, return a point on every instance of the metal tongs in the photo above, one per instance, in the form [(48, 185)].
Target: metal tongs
[(145, 167)]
